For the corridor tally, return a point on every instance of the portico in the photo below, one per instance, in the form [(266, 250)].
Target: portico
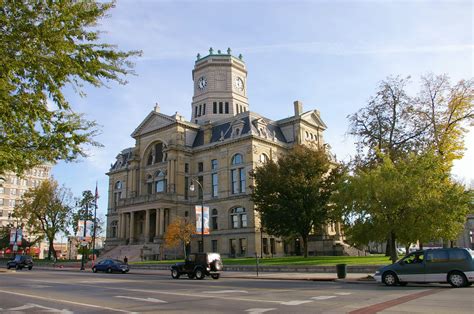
[(143, 226)]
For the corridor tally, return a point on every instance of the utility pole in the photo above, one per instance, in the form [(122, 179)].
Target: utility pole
[(85, 234)]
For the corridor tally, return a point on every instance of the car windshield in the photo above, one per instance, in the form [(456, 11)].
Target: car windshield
[(116, 261)]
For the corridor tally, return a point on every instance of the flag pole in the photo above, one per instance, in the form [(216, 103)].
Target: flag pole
[(96, 196)]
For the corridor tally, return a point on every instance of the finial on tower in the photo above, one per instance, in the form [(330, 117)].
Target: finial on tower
[(198, 56), (240, 56), (211, 51), (228, 51), (157, 107)]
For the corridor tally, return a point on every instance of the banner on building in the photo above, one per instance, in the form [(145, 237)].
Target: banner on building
[(199, 217), (89, 230), (16, 236), (12, 236)]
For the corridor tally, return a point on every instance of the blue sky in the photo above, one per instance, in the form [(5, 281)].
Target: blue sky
[(328, 54)]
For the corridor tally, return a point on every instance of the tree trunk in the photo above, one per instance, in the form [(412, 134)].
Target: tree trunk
[(420, 245), (407, 249), (393, 250), (305, 245), (387, 247), (51, 250)]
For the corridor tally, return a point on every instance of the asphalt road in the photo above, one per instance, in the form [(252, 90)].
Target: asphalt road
[(45, 291)]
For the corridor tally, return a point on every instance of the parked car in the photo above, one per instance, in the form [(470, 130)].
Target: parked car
[(111, 265), (20, 261), (454, 265), (199, 265)]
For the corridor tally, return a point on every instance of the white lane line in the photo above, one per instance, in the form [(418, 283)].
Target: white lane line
[(141, 299), (39, 286), (343, 293), (295, 302), (32, 306), (65, 301), (226, 291), (323, 297), (259, 310)]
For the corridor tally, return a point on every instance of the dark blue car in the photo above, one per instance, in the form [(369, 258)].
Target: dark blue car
[(111, 265)]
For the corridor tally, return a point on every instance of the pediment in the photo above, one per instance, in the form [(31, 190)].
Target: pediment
[(313, 117), (153, 121)]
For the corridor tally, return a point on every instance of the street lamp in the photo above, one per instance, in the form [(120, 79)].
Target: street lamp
[(192, 188), (85, 234)]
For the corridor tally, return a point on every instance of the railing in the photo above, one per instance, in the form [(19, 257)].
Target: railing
[(146, 198)]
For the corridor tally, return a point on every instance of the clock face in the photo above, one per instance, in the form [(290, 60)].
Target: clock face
[(202, 83), (239, 84)]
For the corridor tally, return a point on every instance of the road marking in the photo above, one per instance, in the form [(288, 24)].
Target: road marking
[(375, 308), (295, 302), (32, 306), (343, 293), (259, 310), (39, 286), (141, 299), (323, 297), (64, 301), (226, 291)]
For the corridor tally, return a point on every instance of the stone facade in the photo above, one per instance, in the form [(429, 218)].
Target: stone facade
[(149, 183)]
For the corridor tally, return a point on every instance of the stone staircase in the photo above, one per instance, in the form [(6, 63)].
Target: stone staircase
[(132, 252)]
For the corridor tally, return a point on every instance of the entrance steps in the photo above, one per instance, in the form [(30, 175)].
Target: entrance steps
[(134, 253)]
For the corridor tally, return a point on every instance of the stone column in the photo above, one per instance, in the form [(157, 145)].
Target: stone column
[(119, 226), (147, 225), (157, 225), (162, 221), (132, 227)]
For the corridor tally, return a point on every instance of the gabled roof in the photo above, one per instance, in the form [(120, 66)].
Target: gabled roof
[(154, 120)]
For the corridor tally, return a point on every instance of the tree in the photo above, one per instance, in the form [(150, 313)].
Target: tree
[(46, 210), (46, 46), (405, 201), (179, 231), (292, 195)]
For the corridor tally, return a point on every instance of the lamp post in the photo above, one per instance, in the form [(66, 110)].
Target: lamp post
[(192, 188), (85, 234)]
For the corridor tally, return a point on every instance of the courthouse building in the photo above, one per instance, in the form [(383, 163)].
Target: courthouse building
[(149, 183)]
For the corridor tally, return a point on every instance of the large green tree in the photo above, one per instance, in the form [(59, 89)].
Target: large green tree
[(46, 210), (46, 46), (292, 194), (405, 201)]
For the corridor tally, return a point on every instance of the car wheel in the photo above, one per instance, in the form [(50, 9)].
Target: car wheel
[(109, 270), (8, 267), (390, 279), (457, 279), (30, 267), (124, 271), (191, 276), (215, 276), (199, 274), (174, 274), (94, 270)]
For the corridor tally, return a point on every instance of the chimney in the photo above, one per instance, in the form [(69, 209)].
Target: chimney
[(298, 107)]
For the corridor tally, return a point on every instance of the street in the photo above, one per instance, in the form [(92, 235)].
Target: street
[(56, 291)]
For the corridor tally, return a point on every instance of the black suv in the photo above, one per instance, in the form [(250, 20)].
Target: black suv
[(20, 261), (199, 265)]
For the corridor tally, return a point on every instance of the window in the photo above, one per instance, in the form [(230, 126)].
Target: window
[(214, 164), (149, 184), (237, 108), (113, 229), (1, 201), (200, 110), (238, 178), (158, 152), (437, 256), (196, 111), (263, 158), (214, 220), (13, 191), (186, 168), (186, 187), (226, 107), (204, 109), (221, 109), (200, 167), (160, 182), (232, 246), (272, 246), (265, 245), (238, 218), (215, 184), (242, 246), (118, 185), (237, 159), (214, 246), (457, 255), (214, 107), (2, 189)]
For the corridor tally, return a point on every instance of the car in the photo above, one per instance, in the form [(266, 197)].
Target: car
[(110, 266), (20, 262), (453, 265), (199, 265)]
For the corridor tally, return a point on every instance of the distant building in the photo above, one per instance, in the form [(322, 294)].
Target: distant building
[(224, 141)]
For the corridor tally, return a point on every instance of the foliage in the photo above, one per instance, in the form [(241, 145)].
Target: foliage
[(46, 210), (46, 46), (408, 200), (179, 231), (292, 195), (84, 212)]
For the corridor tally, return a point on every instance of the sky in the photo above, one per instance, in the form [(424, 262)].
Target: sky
[(330, 55)]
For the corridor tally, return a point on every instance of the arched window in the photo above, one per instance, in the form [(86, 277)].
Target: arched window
[(160, 182), (149, 184), (214, 219), (150, 159), (263, 158), (156, 154), (237, 159), (238, 218), (237, 175), (118, 185)]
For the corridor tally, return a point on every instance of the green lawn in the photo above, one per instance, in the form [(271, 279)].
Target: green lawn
[(296, 260)]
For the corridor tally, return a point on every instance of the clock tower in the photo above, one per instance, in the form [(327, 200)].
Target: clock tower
[(220, 87)]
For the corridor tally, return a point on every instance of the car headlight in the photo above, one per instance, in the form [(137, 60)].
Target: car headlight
[(377, 272)]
